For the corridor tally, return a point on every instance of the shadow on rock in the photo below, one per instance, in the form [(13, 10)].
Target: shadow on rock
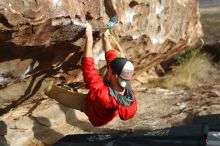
[(3, 132), (84, 125), (213, 50), (46, 62), (43, 131)]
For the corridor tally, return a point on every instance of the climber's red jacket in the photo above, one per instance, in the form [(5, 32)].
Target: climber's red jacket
[(101, 106)]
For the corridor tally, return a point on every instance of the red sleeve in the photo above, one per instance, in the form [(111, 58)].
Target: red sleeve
[(90, 74), (110, 55), (126, 113)]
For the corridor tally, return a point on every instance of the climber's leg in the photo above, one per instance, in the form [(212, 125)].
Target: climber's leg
[(73, 100)]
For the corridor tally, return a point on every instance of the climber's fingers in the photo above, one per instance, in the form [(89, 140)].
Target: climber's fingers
[(88, 29), (106, 34)]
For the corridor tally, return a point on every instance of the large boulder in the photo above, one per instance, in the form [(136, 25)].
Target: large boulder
[(44, 38), (41, 39)]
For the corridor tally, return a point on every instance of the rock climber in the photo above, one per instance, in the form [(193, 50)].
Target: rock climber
[(107, 98)]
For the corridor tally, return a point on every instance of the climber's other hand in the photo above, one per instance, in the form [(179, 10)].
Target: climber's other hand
[(88, 30), (106, 35)]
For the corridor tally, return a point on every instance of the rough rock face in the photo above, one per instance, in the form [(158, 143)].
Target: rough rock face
[(44, 38), (43, 22)]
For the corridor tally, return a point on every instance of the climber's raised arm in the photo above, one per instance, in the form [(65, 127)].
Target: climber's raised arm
[(106, 42), (89, 41), (90, 74)]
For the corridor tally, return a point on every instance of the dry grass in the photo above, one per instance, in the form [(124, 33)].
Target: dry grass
[(194, 69)]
